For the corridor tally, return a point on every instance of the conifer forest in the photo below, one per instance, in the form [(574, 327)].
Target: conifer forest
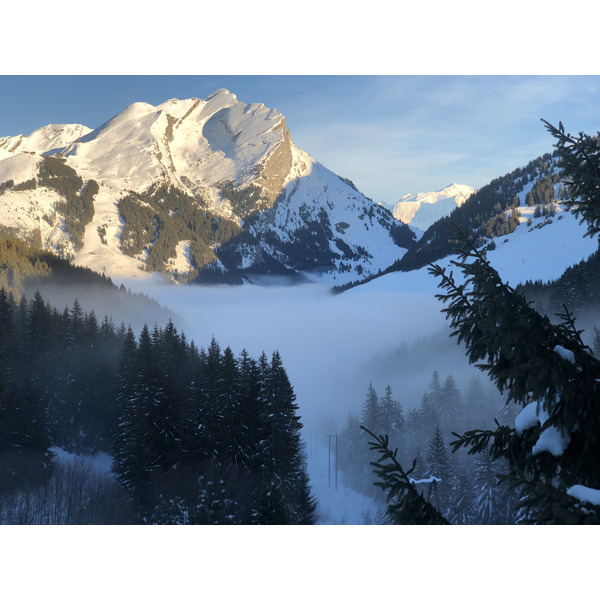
[(197, 436)]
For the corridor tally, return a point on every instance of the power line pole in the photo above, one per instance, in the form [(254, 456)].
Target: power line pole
[(330, 435)]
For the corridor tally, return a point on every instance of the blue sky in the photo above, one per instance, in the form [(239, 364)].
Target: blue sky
[(391, 135)]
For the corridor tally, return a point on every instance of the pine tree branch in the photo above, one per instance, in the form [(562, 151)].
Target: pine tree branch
[(405, 505)]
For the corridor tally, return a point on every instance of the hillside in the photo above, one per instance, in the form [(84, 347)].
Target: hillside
[(514, 207), (492, 212), (26, 269), (201, 190)]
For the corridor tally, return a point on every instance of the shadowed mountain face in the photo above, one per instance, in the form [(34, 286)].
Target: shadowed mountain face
[(210, 190)]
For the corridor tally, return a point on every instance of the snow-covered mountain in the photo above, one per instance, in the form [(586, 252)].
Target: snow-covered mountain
[(42, 140), (424, 209), (210, 189)]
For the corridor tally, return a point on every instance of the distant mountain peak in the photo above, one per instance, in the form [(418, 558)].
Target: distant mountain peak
[(42, 140), (423, 209)]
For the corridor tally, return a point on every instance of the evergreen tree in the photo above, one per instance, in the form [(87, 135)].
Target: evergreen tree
[(372, 420), (392, 418), (234, 429), (493, 498), (431, 403), (138, 401), (450, 404), (462, 510), (580, 164), (414, 435), (596, 342), (353, 454), (539, 365), (405, 505), (477, 407), (546, 369), (123, 447), (371, 416), (438, 466)]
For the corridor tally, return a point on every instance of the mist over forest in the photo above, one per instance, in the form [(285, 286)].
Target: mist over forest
[(333, 346)]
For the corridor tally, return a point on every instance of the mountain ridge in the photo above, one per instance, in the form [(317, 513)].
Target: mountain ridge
[(423, 209), (212, 189)]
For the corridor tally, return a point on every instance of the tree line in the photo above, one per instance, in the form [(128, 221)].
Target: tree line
[(197, 436), (464, 489)]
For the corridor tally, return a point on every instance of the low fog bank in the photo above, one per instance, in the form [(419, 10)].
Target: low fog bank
[(409, 368), (332, 346), (121, 304)]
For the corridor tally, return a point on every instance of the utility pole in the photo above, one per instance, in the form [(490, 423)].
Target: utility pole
[(330, 435)]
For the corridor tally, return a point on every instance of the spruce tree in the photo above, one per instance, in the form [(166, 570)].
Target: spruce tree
[(353, 454), (371, 412), (462, 508), (580, 165), (450, 405), (596, 342), (438, 466), (431, 403), (392, 418), (405, 505), (545, 369)]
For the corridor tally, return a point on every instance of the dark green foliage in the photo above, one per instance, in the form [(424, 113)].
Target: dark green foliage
[(19, 260), (6, 185), (438, 466), (580, 163), (101, 229), (578, 288), (392, 416), (310, 248), (138, 230), (24, 268), (205, 437), (244, 201), (520, 350), (371, 416), (463, 500), (46, 397), (542, 192), (406, 506), (377, 415), (197, 437), (30, 184), (353, 461), (492, 503), (163, 216), (78, 205), (69, 366), (403, 235)]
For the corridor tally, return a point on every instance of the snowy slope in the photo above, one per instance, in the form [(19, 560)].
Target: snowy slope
[(528, 253), (360, 230), (19, 167), (424, 209), (42, 140), (193, 143), (234, 161)]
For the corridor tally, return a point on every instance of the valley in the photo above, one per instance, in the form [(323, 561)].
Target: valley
[(207, 218)]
